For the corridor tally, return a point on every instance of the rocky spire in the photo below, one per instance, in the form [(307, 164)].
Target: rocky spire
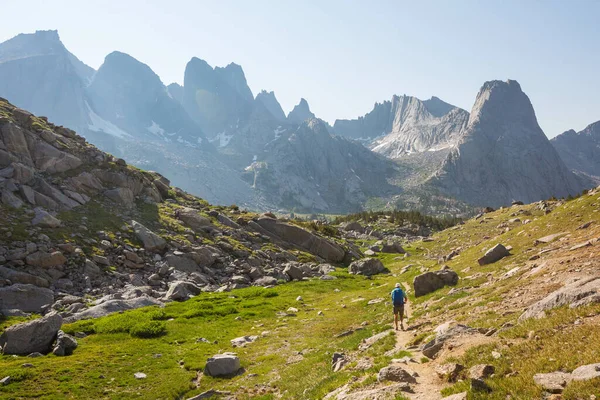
[(300, 113), (503, 154)]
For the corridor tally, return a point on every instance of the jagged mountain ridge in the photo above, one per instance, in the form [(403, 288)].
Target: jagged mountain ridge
[(308, 169), (406, 125), (581, 150), (503, 155)]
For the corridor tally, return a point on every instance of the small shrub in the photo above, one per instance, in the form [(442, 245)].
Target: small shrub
[(148, 329), (270, 293)]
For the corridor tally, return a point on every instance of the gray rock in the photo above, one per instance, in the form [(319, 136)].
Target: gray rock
[(180, 291), (30, 337), (366, 266), (24, 297), (449, 372), (192, 218), (481, 371), (152, 242), (10, 199), (432, 348), (293, 272), (123, 196), (353, 226), (181, 263), (243, 341), (554, 382), (432, 281), (392, 247), (46, 260), (22, 277), (302, 238), (586, 372), (44, 219), (581, 292), (395, 373), (64, 345), (112, 306), (225, 364), (494, 254), (266, 281)]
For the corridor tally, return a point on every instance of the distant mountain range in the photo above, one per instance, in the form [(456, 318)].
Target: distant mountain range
[(214, 138)]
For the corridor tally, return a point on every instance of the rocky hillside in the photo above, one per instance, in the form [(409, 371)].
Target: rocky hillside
[(503, 155), (495, 302), (406, 125), (581, 150), (78, 221)]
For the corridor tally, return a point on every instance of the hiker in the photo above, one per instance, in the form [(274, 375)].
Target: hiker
[(398, 300)]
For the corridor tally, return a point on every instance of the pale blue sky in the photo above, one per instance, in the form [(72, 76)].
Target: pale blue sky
[(343, 56)]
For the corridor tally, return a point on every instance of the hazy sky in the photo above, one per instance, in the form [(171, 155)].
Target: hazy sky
[(343, 56)]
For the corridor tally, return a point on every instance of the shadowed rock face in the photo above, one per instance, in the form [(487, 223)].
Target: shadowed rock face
[(581, 150), (218, 98), (503, 155), (39, 74), (308, 168)]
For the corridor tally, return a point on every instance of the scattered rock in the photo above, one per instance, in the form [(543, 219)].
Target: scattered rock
[(481, 371), (152, 242), (494, 254), (432, 281), (65, 344), (44, 219), (338, 361), (5, 381), (139, 375), (554, 382), (432, 348), (366, 266), (225, 364), (181, 291), (395, 373), (449, 372), (586, 372), (46, 260), (243, 341)]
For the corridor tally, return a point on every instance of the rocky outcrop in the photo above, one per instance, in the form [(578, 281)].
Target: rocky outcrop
[(503, 154), (302, 238), (151, 241), (112, 306), (581, 150), (576, 294), (30, 337), (270, 103), (494, 254), (432, 281), (64, 345)]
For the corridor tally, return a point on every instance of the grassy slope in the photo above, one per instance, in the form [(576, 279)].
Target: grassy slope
[(104, 364)]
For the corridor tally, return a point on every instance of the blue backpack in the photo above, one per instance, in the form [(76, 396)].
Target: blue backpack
[(398, 297)]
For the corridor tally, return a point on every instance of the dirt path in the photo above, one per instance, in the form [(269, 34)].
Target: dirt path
[(428, 385)]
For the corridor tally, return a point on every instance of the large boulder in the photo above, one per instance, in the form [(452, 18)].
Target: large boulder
[(25, 297), (494, 254), (192, 218), (123, 196), (293, 272), (392, 247), (44, 219), (225, 364), (432, 281), (353, 226), (152, 242), (581, 292), (366, 266), (433, 347), (46, 260), (31, 337), (395, 373), (302, 238), (181, 263), (22, 277), (181, 290)]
